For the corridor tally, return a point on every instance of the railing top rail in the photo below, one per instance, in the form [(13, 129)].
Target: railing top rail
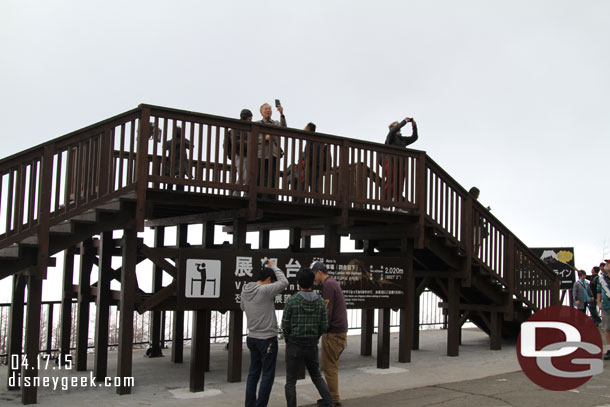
[(242, 125)]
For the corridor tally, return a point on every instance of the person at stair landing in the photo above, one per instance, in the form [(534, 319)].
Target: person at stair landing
[(395, 138)]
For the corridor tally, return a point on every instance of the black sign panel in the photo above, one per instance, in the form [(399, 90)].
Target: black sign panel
[(561, 261), (213, 279)]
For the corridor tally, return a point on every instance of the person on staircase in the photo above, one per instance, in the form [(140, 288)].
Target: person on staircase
[(395, 138), (603, 302)]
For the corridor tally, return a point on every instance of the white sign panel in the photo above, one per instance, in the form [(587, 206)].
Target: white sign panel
[(202, 278)]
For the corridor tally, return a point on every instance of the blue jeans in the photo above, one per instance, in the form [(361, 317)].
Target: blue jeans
[(263, 355)]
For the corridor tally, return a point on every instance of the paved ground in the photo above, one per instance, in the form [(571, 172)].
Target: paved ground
[(478, 377)]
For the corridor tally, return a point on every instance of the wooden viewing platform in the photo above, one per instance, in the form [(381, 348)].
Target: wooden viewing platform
[(158, 167)]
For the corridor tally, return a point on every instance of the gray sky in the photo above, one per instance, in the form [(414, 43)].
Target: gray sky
[(510, 96)]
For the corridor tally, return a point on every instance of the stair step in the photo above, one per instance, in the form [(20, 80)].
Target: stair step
[(114, 206), (64, 228), (30, 241), (87, 217), (10, 252)]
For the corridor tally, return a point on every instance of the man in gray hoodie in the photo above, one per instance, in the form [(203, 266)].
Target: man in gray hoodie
[(258, 302)]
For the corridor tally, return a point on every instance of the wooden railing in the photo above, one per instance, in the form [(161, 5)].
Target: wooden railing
[(159, 148)]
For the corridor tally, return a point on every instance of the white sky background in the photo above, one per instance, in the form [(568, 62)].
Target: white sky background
[(510, 96)]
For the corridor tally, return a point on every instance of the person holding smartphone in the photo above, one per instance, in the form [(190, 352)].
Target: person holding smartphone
[(258, 302), (269, 150)]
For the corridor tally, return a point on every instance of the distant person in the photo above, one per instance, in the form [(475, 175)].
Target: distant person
[(395, 138), (479, 230), (268, 150), (312, 163), (258, 302), (334, 341), (581, 292), (304, 321), (593, 280), (239, 161), (176, 156), (603, 302)]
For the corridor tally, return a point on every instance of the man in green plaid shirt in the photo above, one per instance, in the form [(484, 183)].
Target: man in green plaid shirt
[(305, 320)]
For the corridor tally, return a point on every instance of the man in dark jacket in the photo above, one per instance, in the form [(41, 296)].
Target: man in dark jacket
[(395, 138), (239, 160), (594, 279), (303, 322)]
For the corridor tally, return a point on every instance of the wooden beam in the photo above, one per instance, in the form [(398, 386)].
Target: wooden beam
[(236, 322), (158, 260), (155, 349), (198, 218), (128, 286), (383, 338), (366, 335), (200, 349), (177, 355), (29, 394), (454, 327), (15, 336), (157, 298), (405, 338), (66, 306), (103, 299), (83, 310)]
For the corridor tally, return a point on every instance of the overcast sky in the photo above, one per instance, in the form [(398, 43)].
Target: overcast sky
[(510, 96)]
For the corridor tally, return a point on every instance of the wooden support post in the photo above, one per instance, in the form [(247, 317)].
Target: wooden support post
[(29, 394), (102, 320), (178, 321), (366, 334), (15, 337), (495, 328), (49, 329), (209, 229), (421, 196), (405, 338), (383, 338), (128, 288), (454, 318), (157, 283), (240, 229), (332, 239), (200, 349), (416, 310), (294, 241), (84, 302), (236, 322), (263, 239), (66, 306)]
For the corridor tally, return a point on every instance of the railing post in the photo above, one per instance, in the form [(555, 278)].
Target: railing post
[(510, 273), (466, 228), (344, 181), (252, 171), (421, 197), (142, 168), (44, 210)]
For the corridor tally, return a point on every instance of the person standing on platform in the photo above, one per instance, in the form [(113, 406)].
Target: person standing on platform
[(268, 149), (239, 161), (395, 138), (603, 302), (303, 322), (258, 302), (581, 292), (334, 341)]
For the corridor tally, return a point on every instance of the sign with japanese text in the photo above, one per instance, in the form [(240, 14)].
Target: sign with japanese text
[(213, 279), (561, 261)]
